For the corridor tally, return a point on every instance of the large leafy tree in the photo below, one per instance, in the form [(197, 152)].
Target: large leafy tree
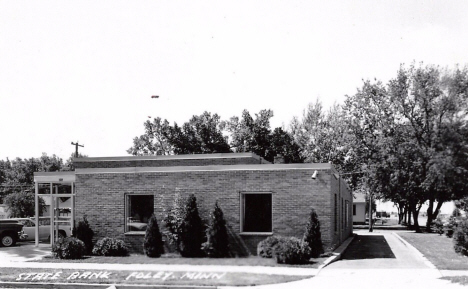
[(201, 134), (18, 175), (411, 137), (323, 136), (22, 204), (154, 141), (249, 134)]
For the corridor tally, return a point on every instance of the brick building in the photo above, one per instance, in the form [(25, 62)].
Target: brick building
[(259, 199)]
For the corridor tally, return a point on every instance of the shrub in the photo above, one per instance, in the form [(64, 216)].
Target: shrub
[(110, 247), (438, 226), (265, 247), (173, 220), (313, 236), (153, 245), (217, 245), (460, 238), (192, 234), (450, 227), (291, 251), (84, 232), (69, 248)]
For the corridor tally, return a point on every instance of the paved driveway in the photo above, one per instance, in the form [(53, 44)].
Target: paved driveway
[(380, 260), (23, 251)]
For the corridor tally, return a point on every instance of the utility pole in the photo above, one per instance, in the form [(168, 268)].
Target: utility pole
[(76, 148)]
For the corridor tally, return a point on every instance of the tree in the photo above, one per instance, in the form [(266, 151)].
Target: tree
[(153, 244), (154, 141), (22, 204), (192, 233), (410, 137), (201, 134), (313, 236), (217, 244), (323, 136), (18, 175), (255, 135)]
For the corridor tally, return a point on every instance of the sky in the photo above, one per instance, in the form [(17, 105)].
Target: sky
[(86, 70)]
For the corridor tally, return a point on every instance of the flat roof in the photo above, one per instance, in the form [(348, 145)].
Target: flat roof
[(255, 167), (171, 157)]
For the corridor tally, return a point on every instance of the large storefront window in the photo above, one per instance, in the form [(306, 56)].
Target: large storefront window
[(139, 209), (256, 213)]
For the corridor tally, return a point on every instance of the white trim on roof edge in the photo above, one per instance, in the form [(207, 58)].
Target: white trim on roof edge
[(265, 167)]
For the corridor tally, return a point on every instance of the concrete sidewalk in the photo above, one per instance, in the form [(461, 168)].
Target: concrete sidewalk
[(380, 259)]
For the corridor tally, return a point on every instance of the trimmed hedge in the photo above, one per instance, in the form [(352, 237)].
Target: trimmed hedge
[(217, 245), (69, 248), (292, 251), (265, 247), (110, 247)]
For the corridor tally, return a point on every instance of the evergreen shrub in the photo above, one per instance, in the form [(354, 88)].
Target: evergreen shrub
[(110, 247), (69, 248), (217, 245), (313, 235), (192, 234), (153, 245), (84, 232), (438, 226)]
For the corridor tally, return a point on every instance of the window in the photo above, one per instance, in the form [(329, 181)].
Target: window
[(354, 210), (256, 212), (139, 209)]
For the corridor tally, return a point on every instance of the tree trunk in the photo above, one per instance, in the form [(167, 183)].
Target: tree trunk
[(429, 215), (415, 218), (432, 215)]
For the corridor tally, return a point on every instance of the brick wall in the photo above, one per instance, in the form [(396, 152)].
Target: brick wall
[(345, 227), (165, 162), (101, 197)]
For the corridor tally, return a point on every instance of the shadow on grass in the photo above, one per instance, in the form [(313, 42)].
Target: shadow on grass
[(368, 247)]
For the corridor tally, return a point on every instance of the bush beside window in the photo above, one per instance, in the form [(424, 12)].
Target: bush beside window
[(291, 251), (110, 247), (69, 248), (265, 247)]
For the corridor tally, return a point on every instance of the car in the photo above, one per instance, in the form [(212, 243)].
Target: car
[(10, 232), (29, 228)]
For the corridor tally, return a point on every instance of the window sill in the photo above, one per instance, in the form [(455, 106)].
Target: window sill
[(256, 233), (135, 233)]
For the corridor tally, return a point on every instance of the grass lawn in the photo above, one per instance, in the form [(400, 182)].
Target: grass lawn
[(438, 249), (137, 278), (173, 259)]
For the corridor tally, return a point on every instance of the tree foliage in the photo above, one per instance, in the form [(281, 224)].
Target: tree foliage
[(22, 204), (250, 134), (411, 136)]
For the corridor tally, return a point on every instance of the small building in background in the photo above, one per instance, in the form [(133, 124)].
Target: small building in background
[(359, 209)]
